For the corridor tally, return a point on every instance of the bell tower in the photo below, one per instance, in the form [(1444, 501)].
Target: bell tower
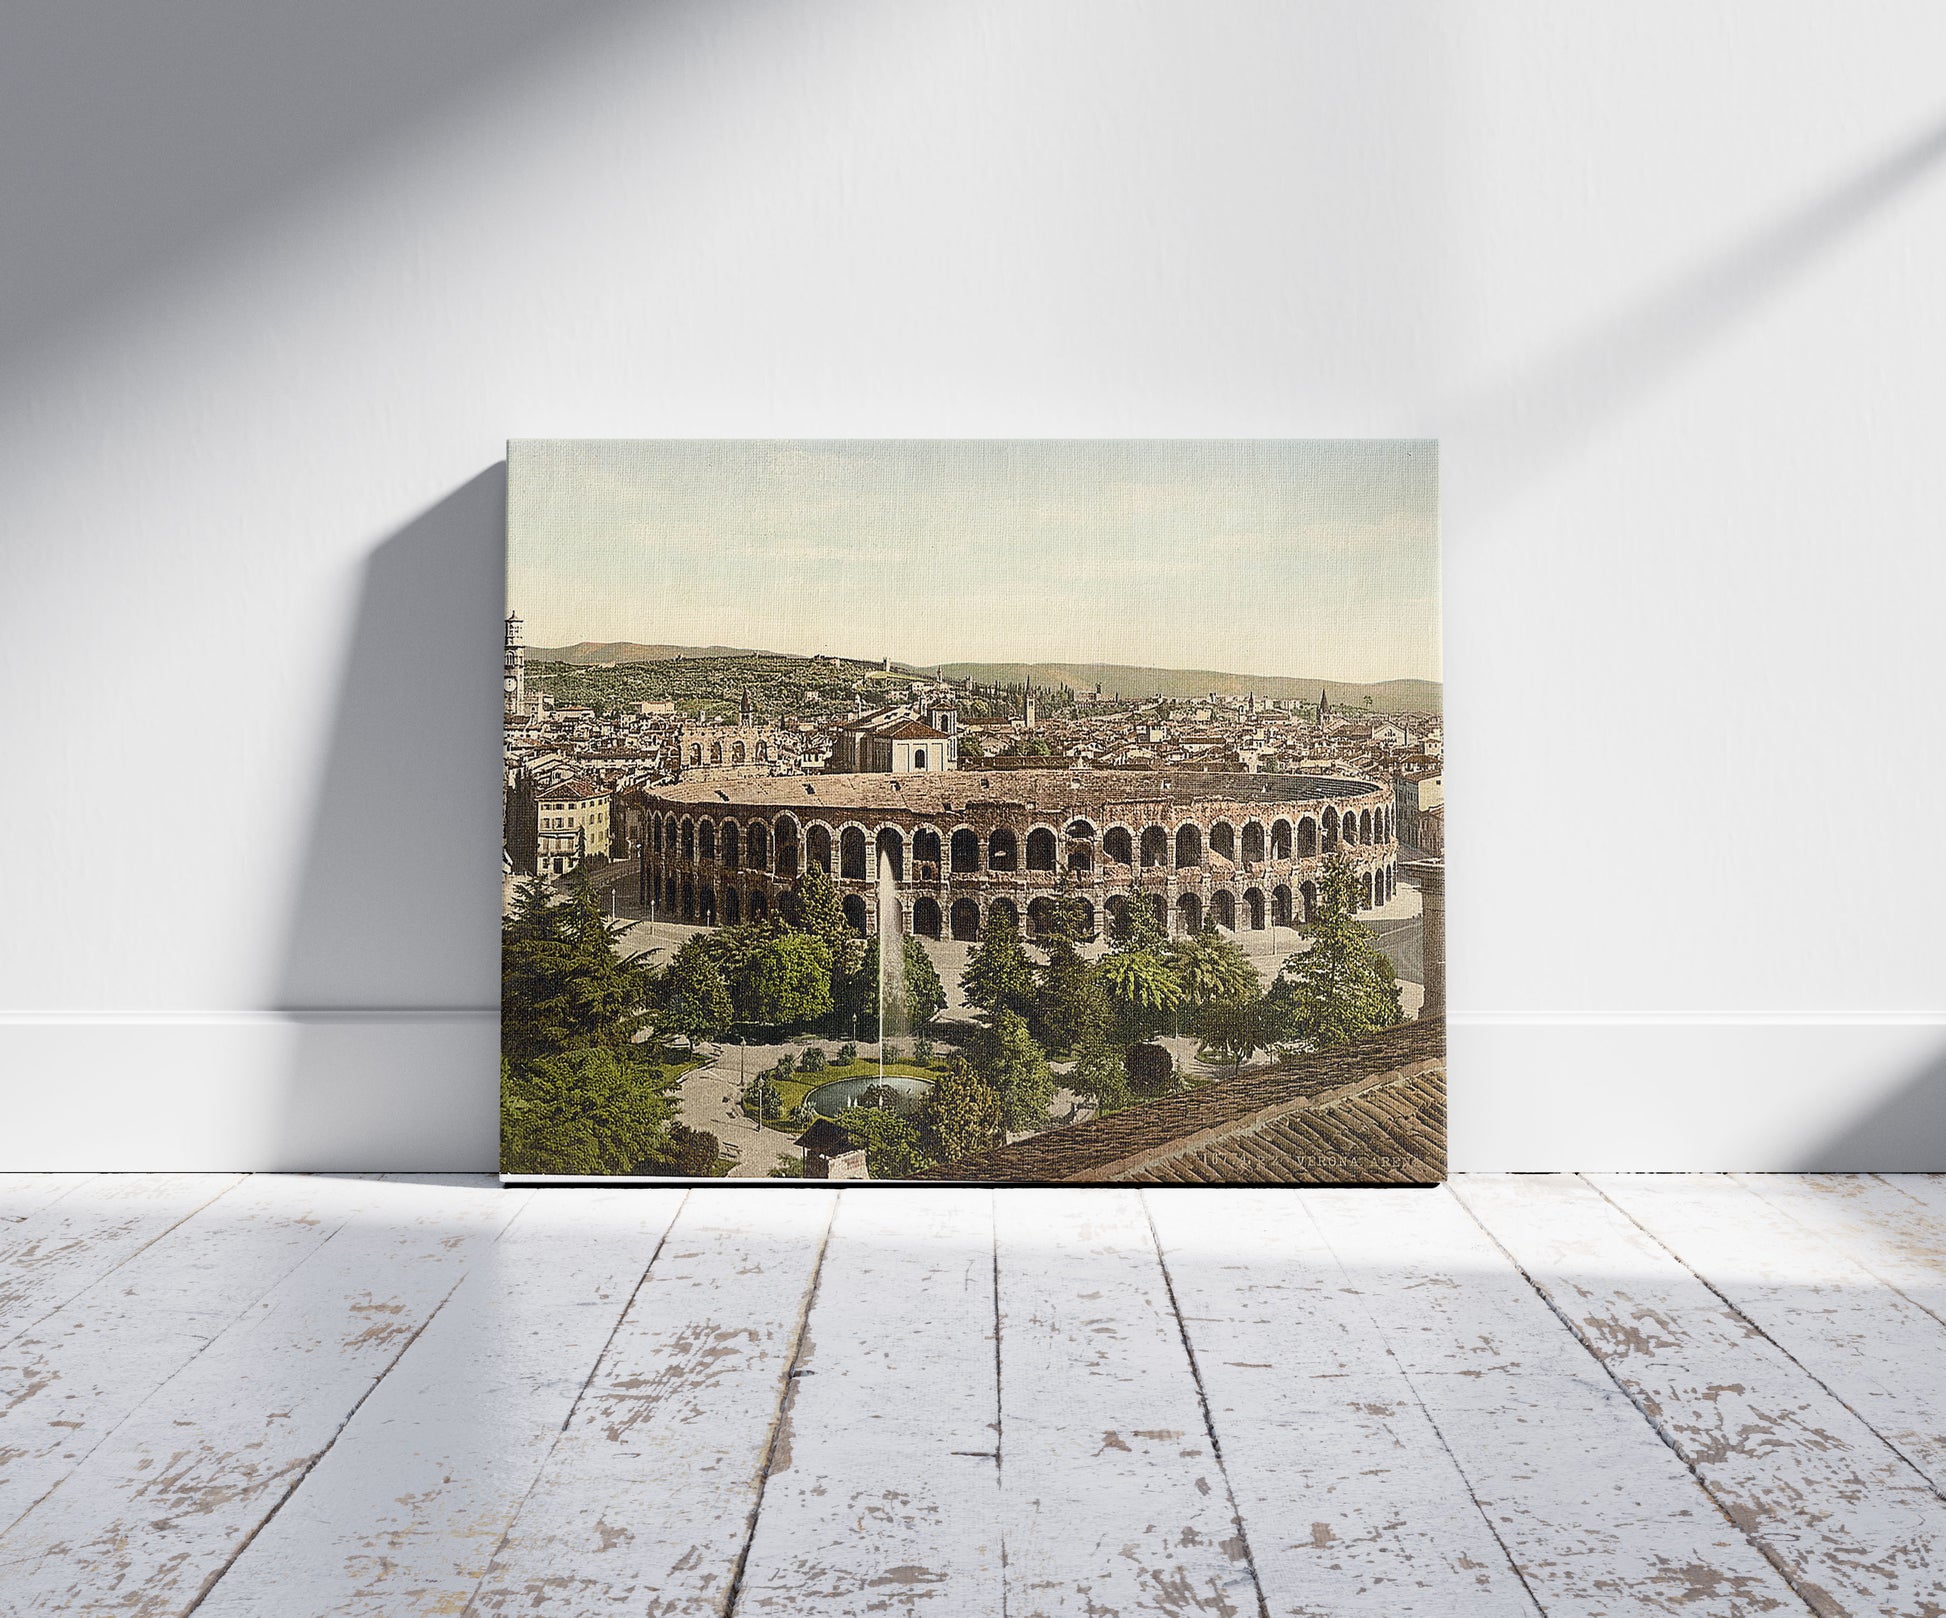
[(514, 685)]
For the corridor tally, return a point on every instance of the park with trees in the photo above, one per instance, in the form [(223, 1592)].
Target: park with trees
[(594, 1039)]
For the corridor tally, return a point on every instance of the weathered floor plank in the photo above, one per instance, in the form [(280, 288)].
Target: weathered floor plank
[(1875, 1350), (404, 1512), (1893, 1224), (72, 1378), (60, 1249), (1112, 1496), (158, 1509), (1596, 1512), (23, 1194), (647, 1501), (1351, 1502), (883, 1495), (1848, 1519)]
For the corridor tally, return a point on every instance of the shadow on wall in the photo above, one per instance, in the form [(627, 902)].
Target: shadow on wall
[(135, 139), (1905, 1134), (390, 972), (1548, 411)]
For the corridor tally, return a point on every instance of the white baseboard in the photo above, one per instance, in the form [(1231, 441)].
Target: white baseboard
[(406, 1090)]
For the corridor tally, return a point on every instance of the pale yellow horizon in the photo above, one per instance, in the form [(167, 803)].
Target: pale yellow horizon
[(1283, 558)]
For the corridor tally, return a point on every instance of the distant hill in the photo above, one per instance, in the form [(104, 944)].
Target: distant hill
[(1387, 696), (628, 651)]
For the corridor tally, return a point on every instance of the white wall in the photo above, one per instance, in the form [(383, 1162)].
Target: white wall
[(279, 281)]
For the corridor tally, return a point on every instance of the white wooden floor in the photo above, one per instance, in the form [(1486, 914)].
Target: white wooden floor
[(1604, 1395)]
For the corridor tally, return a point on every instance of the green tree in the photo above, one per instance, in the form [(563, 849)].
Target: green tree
[(1007, 1058), (925, 995), (695, 999), (1213, 971), (962, 1116), (1070, 1004), (762, 1100), (564, 985), (1238, 1029), (1343, 986), (997, 976), (1100, 1074), (812, 907), (893, 1150), (587, 1111), (1136, 973), (785, 982)]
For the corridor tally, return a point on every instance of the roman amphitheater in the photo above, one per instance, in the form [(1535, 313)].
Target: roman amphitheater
[(1245, 852)]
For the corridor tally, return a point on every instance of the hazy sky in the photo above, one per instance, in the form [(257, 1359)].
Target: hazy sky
[(1316, 558)]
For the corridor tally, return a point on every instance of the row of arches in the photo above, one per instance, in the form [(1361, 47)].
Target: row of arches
[(738, 753), (966, 920), (1003, 850)]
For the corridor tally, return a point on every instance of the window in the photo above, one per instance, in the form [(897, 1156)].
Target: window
[(918, 758)]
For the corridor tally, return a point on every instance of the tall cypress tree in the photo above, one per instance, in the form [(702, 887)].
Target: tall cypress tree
[(997, 976)]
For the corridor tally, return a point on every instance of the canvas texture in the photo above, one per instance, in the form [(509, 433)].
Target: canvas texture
[(997, 812)]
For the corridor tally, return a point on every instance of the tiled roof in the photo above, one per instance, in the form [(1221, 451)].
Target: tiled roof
[(1370, 1112), (1051, 790)]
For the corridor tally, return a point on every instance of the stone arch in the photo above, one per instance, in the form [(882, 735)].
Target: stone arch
[(965, 921), (965, 847), (1005, 907), (756, 845), (688, 838), (706, 905), (1088, 924), (1253, 842), (855, 912), (716, 752), (1039, 914), (1116, 905), (1081, 858), (1155, 846), (1330, 830), (706, 840), (1253, 908), (1365, 889), (1040, 849), (1280, 906), (1003, 850), (1189, 914), (925, 918), (759, 905), (1223, 840), (1159, 908), (737, 753), (732, 846), (785, 826), (1280, 839), (891, 848), (1083, 829), (688, 901), (696, 753), (1223, 909), (732, 906), (1308, 893), (925, 848), (817, 843), (1189, 845), (1307, 838), (1365, 826), (1118, 846), (851, 854)]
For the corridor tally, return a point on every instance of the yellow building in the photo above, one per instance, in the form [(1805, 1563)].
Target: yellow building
[(574, 825)]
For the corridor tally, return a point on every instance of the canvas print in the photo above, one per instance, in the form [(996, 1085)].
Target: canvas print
[(982, 811)]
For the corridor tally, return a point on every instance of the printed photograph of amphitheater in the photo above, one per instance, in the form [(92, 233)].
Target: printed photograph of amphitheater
[(973, 810)]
